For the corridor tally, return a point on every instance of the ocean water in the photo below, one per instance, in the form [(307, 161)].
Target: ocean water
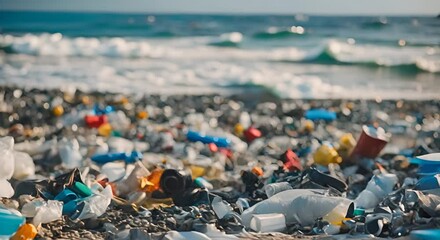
[(294, 56)]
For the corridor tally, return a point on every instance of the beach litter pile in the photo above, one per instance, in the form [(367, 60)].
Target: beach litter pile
[(95, 165)]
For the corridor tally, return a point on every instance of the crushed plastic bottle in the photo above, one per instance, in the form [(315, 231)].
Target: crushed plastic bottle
[(302, 206)]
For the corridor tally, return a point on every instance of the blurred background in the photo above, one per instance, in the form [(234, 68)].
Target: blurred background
[(294, 49)]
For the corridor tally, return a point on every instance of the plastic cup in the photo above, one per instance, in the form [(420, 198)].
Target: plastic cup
[(370, 143)]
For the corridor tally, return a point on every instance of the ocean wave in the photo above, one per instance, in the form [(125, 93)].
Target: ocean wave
[(406, 59), (57, 45), (274, 32), (337, 53), (232, 39)]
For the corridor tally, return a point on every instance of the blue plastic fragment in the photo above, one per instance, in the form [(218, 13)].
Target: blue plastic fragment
[(428, 182), (320, 114), (198, 137), (111, 157), (425, 234), (98, 111), (9, 222)]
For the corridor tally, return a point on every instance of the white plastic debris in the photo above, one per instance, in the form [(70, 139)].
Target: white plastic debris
[(42, 211), (6, 157), (378, 187), (70, 154), (24, 165), (272, 222), (6, 189), (301, 206), (97, 204)]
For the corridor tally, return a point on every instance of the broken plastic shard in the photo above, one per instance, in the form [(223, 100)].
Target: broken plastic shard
[(220, 207), (50, 211), (10, 221), (274, 188), (97, 204)]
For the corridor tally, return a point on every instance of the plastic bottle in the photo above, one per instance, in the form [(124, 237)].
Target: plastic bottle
[(10, 221), (320, 114), (301, 206), (274, 188), (198, 137), (377, 188), (111, 157)]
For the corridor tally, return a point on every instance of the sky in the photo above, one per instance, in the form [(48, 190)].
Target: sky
[(323, 7)]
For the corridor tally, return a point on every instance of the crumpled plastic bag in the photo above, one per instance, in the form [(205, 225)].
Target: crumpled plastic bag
[(24, 165), (42, 211), (96, 205)]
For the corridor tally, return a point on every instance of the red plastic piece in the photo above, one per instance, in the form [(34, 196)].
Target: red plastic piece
[(291, 161), (94, 121), (212, 147), (251, 134)]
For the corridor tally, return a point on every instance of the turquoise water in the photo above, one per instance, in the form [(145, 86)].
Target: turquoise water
[(293, 56)]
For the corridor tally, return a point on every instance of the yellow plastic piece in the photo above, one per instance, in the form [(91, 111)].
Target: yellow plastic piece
[(58, 110), (197, 171), (309, 126), (238, 129), (152, 182), (152, 203), (105, 129), (326, 155), (85, 100), (347, 141), (25, 232), (142, 115)]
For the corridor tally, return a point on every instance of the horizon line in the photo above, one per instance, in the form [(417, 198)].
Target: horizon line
[(225, 13)]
